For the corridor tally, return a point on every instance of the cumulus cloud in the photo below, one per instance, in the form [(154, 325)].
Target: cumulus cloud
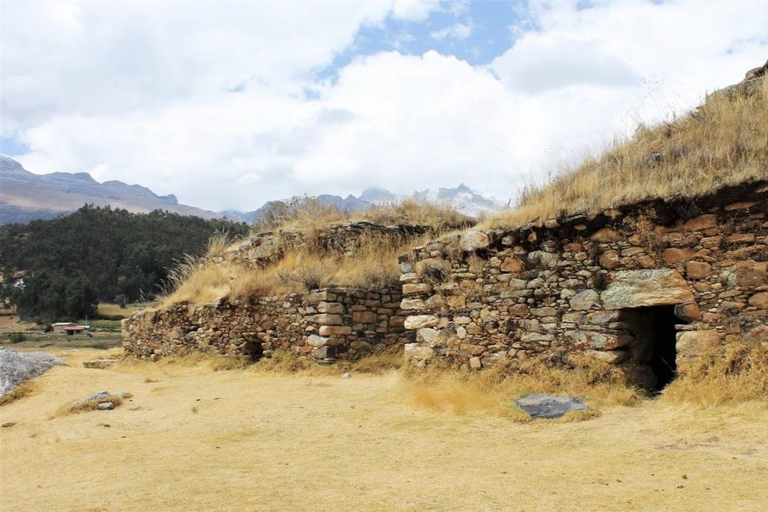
[(220, 102)]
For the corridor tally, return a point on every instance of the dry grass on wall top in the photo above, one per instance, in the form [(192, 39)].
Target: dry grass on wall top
[(374, 264), (309, 213), (723, 142)]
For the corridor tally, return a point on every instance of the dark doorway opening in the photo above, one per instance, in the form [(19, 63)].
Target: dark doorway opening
[(253, 350), (654, 331)]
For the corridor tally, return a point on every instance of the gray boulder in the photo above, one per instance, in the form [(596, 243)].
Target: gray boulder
[(18, 367), (550, 406)]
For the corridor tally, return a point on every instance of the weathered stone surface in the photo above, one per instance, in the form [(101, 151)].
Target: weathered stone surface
[(583, 301), (473, 240), (413, 305), (427, 335), (419, 321), (643, 288), (675, 255), (698, 270), (18, 367), (365, 317), (610, 259), (759, 300), (512, 265), (691, 344), (609, 356), (475, 363), (326, 319), (317, 341), (550, 406), (606, 235), (701, 222), (417, 288), (757, 334), (331, 307), (751, 273), (597, 340), (688, 312), (334, 330)]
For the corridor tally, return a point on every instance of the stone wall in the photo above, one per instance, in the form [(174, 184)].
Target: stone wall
[(325, 324), (596, 285)]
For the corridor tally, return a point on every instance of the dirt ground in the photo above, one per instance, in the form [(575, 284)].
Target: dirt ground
[(193, 439)]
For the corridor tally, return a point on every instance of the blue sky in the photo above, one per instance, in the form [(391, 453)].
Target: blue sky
[(231, 103)]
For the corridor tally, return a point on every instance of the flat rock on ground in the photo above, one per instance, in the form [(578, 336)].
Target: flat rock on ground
[(550, 406), (18, 367)]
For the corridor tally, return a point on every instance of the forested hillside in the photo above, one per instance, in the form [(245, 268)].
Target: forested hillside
[(62, 267)]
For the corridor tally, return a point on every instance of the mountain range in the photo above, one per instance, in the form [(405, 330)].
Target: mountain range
[(25, 196)]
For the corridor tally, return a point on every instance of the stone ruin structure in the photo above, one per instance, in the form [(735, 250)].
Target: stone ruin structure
[(329, 323), (648, 287)]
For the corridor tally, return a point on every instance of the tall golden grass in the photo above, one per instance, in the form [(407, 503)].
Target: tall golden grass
[(738, 375), (723, 142), (373, 264), (308, 213), (493, 390)]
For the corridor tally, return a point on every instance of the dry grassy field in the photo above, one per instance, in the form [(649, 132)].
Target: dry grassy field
[(196, 439)]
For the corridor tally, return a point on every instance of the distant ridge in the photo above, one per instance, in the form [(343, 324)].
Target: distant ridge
[(462, 198), (25, 196)]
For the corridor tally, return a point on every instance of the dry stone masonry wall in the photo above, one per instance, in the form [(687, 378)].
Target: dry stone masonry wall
[(326, 324), (646, 287)]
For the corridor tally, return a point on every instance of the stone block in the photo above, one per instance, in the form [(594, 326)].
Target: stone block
[(327, 319), (675, 255), (698, 270), (317, 341), (512, 265), (610, 260), (473, 240), (608, 356), (597, 340), (692, 344), (416, 288), (420, 321), (701, 222), (365, 317), (334, 330), (759, 300), (585, 300), (331, 307), (606, 235), (427, 335), (475, 363), (642, 288), (413, 305), (688, 312)]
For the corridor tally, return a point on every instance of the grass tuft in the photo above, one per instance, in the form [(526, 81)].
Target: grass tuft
[(723, 142), (22, 390), (738, 375), (494, 390)]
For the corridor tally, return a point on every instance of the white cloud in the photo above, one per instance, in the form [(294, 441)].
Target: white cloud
[(137, 91), (455, 31)]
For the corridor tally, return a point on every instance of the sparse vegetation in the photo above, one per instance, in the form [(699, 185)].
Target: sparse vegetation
[(493, 390), (373, 264), (723, 142), (738, 375)]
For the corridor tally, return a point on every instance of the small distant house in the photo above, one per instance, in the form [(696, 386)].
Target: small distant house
[(71, 328), (77, 329), (60, 326)]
